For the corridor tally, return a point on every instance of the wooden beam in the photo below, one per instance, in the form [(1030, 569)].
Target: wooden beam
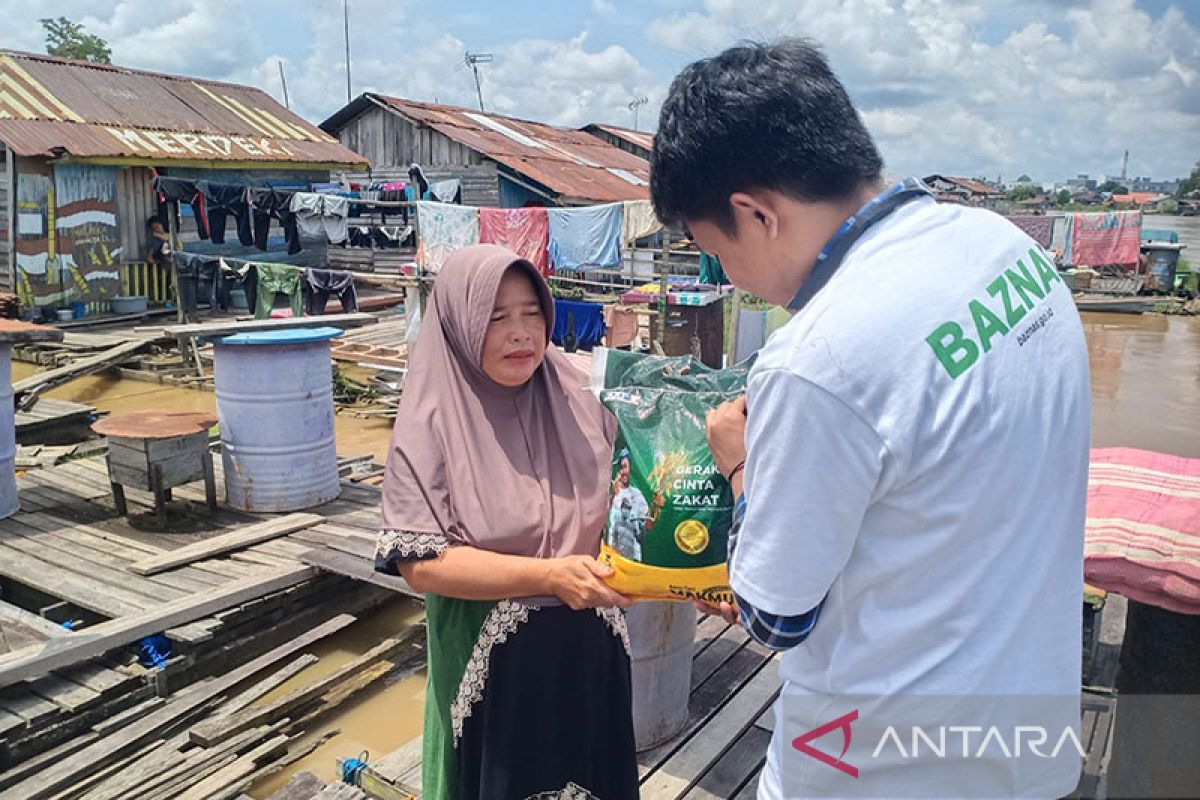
[(27, 390), (206, 329), (212, 731), (360, 569), (226, 542), (30, 662), (65, 772)]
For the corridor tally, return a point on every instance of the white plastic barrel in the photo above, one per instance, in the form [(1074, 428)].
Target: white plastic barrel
[(275, 404), (661, 641), (8, 437)]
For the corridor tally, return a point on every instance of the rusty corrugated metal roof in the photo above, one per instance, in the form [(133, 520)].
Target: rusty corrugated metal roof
[(569, 162), (638, 138), (52, 106)]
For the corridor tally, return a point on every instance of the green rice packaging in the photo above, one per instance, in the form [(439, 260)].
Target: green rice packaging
[(670, 509)]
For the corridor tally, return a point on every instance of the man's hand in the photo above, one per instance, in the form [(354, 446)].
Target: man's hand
[(727, 434), (726, 611), (578, 582)]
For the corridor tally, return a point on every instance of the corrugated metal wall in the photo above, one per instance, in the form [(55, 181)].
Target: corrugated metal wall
[(6, 223), (135, 205)]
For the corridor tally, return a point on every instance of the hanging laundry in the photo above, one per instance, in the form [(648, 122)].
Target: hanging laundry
[(585, 238), (390, 236), (447, 191), (276, 279), (711, 270), (237, 275), (577, 324), (1112, 237), (197, 278), (321, 214), (268, 204), (325, 282), (1039, 227), (179, 190), (221, 200), (638, 221), (442, 229), (416, 176), (622, 325), (525, 231), (1060, 241)]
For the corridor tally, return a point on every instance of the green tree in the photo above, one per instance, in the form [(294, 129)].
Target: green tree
[(1063, 197), (1023, 191), (68, 39), (1112, 186), (1190, 186), (1024, 179)]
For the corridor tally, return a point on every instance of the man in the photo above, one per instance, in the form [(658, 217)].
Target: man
[(628, 515), (911, 457)]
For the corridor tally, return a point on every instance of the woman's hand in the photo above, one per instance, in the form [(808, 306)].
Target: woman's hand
[(726, 611), (578, 582), (727, 435)]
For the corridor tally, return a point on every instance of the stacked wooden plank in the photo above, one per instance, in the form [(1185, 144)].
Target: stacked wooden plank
[(225, 589), (217, 737)]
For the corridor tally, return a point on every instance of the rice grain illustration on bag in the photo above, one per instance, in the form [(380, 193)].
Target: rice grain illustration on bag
[(670, 509)]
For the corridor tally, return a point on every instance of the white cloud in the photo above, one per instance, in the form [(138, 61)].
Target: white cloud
[(604, 8), (942, 92)]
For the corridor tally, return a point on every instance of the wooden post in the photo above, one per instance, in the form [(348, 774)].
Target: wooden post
[(663, 272), (10, 223), (735, 315)]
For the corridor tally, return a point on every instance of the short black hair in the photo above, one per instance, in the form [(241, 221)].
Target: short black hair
[(150, 222), (757, 116)]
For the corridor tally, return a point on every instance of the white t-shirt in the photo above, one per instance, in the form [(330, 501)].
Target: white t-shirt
[(918, 451)]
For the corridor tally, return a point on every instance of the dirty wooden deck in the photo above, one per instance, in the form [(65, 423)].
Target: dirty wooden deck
[(67, 546)]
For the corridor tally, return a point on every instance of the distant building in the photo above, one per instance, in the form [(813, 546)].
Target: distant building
[(636, 142), (1082, 181), (1151, 185), (499, 161), (79, 145), (967, 191), (1146, 201)]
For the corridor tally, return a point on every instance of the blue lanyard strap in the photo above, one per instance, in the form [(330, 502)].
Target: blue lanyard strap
[(853, 229)]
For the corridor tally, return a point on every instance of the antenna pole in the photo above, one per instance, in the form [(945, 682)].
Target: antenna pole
[(283, 80), (346, 28)]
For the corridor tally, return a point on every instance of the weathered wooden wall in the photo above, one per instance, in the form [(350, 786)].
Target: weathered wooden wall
[(135, 204), (392, 143)]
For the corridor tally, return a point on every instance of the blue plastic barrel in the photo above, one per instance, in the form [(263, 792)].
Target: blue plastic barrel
[(275, 405), (9, 503)]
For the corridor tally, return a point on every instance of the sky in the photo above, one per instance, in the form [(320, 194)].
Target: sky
[(995, 88)]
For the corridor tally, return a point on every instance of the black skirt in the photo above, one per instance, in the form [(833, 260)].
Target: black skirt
[(554, 720)]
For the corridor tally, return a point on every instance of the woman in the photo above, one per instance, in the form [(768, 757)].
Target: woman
[(493, 506)]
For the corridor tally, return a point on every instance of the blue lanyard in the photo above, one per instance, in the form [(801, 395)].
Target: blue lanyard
[(853, 229)]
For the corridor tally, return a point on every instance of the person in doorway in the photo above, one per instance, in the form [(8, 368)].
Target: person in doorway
[(494, 501), (629, 513), (913, 444), (159, 251)]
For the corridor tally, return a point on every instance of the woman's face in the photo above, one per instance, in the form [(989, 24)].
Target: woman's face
[(515, 343)]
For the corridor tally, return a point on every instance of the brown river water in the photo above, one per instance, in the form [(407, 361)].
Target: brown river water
[(1145, 393)]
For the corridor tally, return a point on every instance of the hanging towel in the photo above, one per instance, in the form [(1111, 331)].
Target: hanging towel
[(1039, 227), (639, 221), (1112, 237), (443, 229), (585, 238), (1060, 241), (587, 318), (447, 191), (525, 231)]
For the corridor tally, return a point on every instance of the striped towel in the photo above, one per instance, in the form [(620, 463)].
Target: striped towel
[(1143, 527)]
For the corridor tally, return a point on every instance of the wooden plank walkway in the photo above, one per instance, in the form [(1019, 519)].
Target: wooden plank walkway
[(67, 545)]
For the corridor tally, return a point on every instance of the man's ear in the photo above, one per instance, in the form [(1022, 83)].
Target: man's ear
[(756, 212)]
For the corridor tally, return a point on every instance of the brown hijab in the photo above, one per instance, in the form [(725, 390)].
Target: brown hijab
[(514, 470)]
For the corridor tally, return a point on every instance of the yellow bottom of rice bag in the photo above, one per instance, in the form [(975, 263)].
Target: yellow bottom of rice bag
[(642, 582)]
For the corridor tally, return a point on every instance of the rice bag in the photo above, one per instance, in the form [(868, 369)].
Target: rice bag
[(670, 509)]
